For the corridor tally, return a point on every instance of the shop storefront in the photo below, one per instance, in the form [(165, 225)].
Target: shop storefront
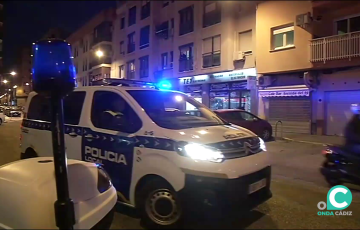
[(227, 90), (289, 104)]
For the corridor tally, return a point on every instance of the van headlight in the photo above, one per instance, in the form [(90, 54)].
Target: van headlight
[(201, 152), (262, 144)]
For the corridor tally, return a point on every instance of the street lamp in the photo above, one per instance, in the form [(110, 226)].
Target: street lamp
[(15, 86), (99, 53), (27, 83), (5, 81), (13, 73)]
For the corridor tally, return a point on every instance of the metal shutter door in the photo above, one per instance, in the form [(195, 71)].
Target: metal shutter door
[(337, 110), (294, 112)]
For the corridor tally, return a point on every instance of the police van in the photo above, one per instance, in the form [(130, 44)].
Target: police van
[(163, 150)]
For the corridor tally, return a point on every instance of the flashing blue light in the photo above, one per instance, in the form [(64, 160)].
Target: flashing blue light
[(53, 69), (164, 85)]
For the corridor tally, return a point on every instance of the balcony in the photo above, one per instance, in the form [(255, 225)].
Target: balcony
[(101, 39), (338, 47), (186, 65), (99, 61)]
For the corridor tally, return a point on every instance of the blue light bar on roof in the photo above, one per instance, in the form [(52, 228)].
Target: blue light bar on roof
[(123, 82)]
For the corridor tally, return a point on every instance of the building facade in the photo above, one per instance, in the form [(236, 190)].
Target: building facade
[(92, 48), (206, 49), (308, 64)]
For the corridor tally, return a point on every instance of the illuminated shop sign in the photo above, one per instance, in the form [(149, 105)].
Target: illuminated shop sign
[(285, 93), (193, 88), (237, 75)]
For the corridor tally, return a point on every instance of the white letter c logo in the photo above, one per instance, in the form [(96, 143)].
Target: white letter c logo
[(332, 198)]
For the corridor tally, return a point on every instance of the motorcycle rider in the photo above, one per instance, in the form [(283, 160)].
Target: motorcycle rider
[(352, 130)]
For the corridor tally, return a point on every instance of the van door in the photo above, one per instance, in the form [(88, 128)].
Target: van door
[(73, 104), (110, 140)]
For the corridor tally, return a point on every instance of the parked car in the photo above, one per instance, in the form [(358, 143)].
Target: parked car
[(2, 118), (260, 127), (13, 111)]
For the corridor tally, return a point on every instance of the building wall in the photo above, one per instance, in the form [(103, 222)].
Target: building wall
[(233, 21), (85, 34), (272, 14)]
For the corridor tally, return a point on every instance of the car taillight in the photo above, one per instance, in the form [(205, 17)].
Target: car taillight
[(327, 151)]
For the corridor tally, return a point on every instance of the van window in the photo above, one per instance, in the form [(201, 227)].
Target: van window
[(39, 108), (73, 105), (108, 107)]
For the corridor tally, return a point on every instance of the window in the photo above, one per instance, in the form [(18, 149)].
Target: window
[(122, 23), (211, 51), (165, 3), (247, 116), (172, 110), (164, 60), (144, 37), (245, 41), (145, 9), (283, 37), (122, 47), (73, 104), (212, 13), (186, 20), (130, 70), (348, 25), (131, 43), (39, 108), (171, 63), (121, 71), (132, 16), (110, 111), (186, 57), (144, 66)]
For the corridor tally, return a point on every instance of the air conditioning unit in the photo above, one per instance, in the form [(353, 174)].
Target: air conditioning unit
[(303, 19), (247, 53), (239, 56), (265, 81)]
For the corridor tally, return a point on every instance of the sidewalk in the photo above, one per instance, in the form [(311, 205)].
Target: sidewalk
[(314, 139)]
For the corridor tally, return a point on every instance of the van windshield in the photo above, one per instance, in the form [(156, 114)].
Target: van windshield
[(172, 110)]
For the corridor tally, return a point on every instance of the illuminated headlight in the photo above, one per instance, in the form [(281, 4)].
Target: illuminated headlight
[(262, 144), (202, 153)]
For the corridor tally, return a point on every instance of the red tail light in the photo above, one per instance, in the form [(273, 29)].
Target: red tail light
[(327, 151)]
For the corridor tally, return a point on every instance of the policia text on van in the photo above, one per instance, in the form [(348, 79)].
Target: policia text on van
[(159, 147)]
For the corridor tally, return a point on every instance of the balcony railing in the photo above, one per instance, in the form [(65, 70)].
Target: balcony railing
[(99, 61), (344, 46), (186, 65)]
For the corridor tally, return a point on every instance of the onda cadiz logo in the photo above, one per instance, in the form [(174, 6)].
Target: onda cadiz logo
[(338, 198)]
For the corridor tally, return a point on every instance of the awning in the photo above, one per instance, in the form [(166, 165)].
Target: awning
[(285, 91)]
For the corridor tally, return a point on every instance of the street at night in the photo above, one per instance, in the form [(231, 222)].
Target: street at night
[(297, 187)]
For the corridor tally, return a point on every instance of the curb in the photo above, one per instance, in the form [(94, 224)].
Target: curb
[(306, 142)]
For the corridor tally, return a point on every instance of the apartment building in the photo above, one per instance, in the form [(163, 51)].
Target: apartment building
[(92, 48), (204, 48), (308, 64)]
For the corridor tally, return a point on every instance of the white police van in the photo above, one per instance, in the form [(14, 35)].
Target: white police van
[(163, 150)]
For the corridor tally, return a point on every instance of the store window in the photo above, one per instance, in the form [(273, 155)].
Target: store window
[(219, 100)]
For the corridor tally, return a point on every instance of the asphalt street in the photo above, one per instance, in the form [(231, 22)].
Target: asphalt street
[(297, 187)]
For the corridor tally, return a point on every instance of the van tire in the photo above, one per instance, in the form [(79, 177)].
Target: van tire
[(153, 191), (29, 153)]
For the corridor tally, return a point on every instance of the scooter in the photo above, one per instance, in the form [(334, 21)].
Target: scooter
[(340, 166)]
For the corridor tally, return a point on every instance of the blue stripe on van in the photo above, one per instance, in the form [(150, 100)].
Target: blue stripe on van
[(146, 141)]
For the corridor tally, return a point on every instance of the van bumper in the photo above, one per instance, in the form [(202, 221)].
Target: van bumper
[(227, 193)]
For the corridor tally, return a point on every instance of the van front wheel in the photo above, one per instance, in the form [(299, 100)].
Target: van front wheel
[(160, 206)]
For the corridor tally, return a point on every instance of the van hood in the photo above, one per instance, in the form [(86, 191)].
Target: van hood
[(210, 134)]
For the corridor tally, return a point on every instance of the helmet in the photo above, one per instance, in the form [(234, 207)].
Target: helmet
[(355, 108)]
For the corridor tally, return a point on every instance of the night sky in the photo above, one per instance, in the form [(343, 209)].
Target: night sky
[(27, 21)]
